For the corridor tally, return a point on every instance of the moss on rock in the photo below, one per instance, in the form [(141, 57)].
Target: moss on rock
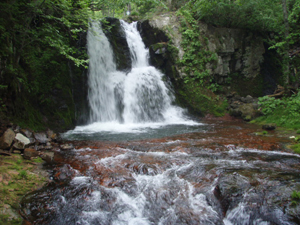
[(17, 177), (199, 100)]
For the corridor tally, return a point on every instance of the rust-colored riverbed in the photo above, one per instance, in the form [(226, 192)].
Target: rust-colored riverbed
[(225, 174)]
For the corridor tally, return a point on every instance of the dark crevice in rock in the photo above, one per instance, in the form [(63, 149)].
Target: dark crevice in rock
[(117, 38)]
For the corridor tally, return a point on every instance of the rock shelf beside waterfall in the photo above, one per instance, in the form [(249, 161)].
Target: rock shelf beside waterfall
[(30, 144)]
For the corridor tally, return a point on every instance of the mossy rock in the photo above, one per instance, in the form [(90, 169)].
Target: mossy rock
[(18, 177), (199, 100)]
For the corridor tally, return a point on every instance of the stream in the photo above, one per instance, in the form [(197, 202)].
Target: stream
[(142, 160), (221, 174)]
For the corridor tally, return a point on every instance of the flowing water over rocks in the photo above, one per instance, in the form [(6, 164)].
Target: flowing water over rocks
[(141, 161), (222, 175)]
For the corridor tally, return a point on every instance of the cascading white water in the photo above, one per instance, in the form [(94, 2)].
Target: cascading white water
[(102, 77), (137, 97), (126, 106)]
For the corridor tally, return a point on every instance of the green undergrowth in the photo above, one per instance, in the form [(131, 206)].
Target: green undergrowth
[(18, 177), (283, 112), (296, 148), (196, 54), (201, 100), (295, 197)]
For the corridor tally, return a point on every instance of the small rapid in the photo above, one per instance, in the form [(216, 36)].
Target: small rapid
[(225, 175)]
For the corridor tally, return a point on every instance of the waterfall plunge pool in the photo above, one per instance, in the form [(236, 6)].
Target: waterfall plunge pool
[(115, 131)]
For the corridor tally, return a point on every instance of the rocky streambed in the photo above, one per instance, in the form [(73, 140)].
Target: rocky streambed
[(225, 174), (23, 158)]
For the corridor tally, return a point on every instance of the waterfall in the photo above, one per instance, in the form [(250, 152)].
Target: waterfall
[(140, 96), (136, 104)]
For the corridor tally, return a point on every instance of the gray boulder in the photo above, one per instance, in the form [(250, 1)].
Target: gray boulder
[(7, 139), (41, 137), (27, 133), (20, 141)]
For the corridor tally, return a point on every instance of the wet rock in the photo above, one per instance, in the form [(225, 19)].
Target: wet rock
[(243, 107), (270, 126), (20, 141), (17, 129), (41, 137), (27, 133), (117, 38), (48, 146), (67, 147), (8, 210), (247, 99), (248, 111), (64, 173), (7, 139), (47, 156), (4, 153), (51, 134), (16, 151), (230, 190), (30, 153)]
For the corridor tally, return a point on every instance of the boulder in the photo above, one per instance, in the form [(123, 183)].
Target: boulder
[(27, 133), (30, 153), (66, 146), (41, 137), (47, 156), (243, 107), (270, 126), (7, 139), (51, 134), (247, 99), (20, 141)]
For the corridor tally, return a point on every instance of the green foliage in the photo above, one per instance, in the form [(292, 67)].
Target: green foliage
[(284, 112), (38, 45), (295, 197), (262, 15), (258, 15), (38, 160), (262, 133), (296, 148), (196, 56), (23, 174), (201, 100), (5, 220), (269, 104)]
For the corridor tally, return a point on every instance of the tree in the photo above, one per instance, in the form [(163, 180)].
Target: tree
[(37, 41)]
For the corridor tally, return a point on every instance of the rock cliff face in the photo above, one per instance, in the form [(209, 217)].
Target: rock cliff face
[(240, 53), (117, 38)]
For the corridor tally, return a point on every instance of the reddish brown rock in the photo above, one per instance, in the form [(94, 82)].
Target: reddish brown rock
[(30, 153)]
